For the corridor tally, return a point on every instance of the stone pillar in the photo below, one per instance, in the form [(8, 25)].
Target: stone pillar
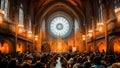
[(111, 16), (95, 20), (106, 14), (14, 17)]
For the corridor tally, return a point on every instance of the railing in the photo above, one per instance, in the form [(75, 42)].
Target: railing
[(7, 26), (10, 27)]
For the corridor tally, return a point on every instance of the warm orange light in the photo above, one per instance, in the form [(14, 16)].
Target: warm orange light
[(20, 28), (0, 46), (100, 28), (118, 18), (59, 46), (29, 33), (91, 48), (1, 19), (117, 11), (42, 34), (83, 37), (90, 34), (2, 12), (19, 48), (5, 48), (36, 38), (99, 24), (74, 49), (117, 47), (101, 47), (90, 31)]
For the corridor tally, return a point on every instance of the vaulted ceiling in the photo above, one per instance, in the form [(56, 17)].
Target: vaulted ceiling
[(83, 10), (75, 8), (41, 4)]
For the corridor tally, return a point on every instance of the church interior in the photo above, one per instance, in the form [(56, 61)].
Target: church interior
[(60, 30)]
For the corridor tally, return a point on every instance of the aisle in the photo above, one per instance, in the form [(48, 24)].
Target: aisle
[(58, 65)]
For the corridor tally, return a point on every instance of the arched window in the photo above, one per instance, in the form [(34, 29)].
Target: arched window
[(5, 7), (100, 11), (76, 25), (30, 24), (21, 15), (2, 4)]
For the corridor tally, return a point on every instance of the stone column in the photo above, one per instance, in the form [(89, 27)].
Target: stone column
[(14, 12), (105, 16)]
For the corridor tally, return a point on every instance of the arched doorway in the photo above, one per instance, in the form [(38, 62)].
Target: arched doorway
[(101, 46), (20, 47), (6, 47)]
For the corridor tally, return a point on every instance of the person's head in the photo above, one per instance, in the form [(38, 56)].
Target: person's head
[(87, 64), (79, 60), (26, 65), (29, 58), (97, 60), (12, 64), (38, 65)]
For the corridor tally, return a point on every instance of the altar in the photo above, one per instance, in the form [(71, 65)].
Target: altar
[(59, 46)]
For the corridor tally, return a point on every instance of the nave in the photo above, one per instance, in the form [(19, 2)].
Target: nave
[(57, 60)]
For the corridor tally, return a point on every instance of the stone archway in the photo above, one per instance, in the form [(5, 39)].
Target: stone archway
[(6, 46), (101, 46), (20, 47)]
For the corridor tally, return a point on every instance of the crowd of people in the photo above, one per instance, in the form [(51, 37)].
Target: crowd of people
[(68, 60), (26, 60), (92, 60)]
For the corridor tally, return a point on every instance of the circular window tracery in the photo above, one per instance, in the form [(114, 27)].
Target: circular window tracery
[(59, 26)]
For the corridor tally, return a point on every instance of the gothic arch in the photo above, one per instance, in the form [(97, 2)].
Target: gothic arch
[(101, 46), (7, 46), (20, 47), (41, 15)]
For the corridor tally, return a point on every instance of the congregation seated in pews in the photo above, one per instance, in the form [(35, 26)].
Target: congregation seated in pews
[(66, 60)]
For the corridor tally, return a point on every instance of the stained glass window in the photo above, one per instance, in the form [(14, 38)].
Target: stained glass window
[(60, 26)]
